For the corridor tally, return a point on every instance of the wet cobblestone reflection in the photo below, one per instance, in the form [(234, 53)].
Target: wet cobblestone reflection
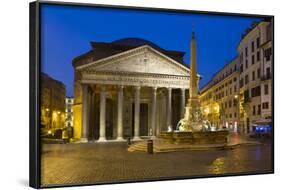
[(95, 163)]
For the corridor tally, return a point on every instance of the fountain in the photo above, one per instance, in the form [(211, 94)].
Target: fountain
[(192, 129)]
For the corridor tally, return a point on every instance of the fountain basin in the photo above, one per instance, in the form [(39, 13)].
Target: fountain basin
[(195, 138)]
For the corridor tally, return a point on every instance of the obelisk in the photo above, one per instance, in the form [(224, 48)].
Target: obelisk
[(192, 120), (193, 90)]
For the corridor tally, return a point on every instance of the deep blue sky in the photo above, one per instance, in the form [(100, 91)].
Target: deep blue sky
[(66, 32)]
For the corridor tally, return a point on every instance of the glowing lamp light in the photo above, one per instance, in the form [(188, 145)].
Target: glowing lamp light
[(207, 110), (58, 112), (49, 132), (236, 96), (216, 108)]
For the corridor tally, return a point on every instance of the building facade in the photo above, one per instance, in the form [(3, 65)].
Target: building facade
[(220, 97), (239, 96), (69, 111), (255, 52), (52, 102), (128, 88)]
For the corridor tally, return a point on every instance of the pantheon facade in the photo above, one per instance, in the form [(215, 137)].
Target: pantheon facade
[(128, 88)]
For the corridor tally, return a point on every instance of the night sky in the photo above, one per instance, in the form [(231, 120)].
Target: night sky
[(66, 32)]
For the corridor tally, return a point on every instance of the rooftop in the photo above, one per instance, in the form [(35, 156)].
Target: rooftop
[(102, 50)]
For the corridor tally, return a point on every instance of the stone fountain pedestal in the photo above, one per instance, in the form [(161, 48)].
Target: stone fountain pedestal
[(195, 138)]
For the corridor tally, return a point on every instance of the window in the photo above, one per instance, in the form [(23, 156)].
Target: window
[(246, 52), (235, 89), (253, 46), (258, 56), (225, 105), (234, 79), (253, 59), (246, 65), (254, 110), (235, 114), (256, 91), (246, 96), (241, 82), (246, 79), (234, 102), (241, 68), (226, 92), (253, 76), (268, 73), (267, 54), (259, 109), (229, 103), (258, 42), (230, 115), (265, 105), (266, 89), (258, 73), (230, 91)]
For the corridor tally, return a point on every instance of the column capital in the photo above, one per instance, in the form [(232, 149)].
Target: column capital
[(120, 87), (84, 86), (137, 87), (103, 87), (169, 88)]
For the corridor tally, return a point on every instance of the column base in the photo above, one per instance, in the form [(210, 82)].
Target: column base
[(136, 138), (120, 139), (102, 139), (83, 140), (153, 137)]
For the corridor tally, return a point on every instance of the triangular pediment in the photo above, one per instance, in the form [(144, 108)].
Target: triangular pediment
[(144, 59)]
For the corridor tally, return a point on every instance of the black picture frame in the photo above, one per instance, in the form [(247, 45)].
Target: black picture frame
[(34, 89)]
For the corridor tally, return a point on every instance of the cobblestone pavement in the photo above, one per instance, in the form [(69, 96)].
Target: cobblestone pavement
[(98, 163)]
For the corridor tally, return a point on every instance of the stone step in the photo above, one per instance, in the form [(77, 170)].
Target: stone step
[(141, 147)]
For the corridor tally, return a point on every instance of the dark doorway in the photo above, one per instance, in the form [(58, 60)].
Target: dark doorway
[(143, 119), (109, 119)]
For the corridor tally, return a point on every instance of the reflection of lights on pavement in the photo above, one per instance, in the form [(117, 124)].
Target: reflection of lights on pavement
[(218, 166)]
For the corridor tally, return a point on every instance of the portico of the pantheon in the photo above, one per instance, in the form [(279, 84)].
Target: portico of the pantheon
[(128, 88)]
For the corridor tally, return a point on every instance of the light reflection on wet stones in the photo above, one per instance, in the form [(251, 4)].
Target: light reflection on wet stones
[(94, 163)]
